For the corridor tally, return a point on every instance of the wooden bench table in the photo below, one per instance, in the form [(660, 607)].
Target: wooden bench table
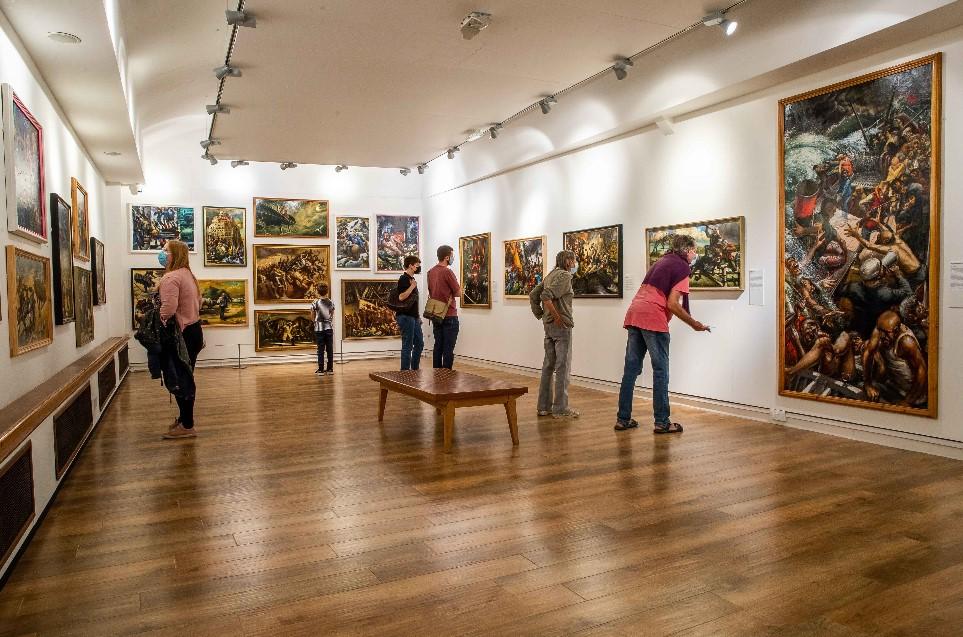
[(447, 390)]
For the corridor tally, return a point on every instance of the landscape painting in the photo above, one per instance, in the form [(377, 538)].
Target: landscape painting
[(720, 246), (598, 252), (224, 237), (80, 220), (83, 301), (98, 271), (475, 257), (524, 266), (398, 237), (23, 150), (63, 260), (223, 302), (353, 236), (283, 330), (290, 273), (859, 240), (143, 289), (364, 311), (151, 227), (29, 287), (290, 218)]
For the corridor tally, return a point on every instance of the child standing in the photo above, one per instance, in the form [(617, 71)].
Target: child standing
[(323, 309)]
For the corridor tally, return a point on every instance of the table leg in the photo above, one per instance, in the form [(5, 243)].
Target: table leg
[(449, 425), (512, 419), (382, 402)]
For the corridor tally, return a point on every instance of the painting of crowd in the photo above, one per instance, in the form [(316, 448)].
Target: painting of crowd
[(224, 242), (143, 291), (289, 218), (283, 330), (860, 287), (719, 247), (524, 265), (151, 227), (398, 237), (598, 252), (364, 310), (476, 270), (352, 243), (288, 274)]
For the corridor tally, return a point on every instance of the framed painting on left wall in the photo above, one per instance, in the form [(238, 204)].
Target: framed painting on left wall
[(30, 311), (23, 153)]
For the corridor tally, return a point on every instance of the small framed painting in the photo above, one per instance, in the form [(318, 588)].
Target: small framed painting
[(398, 237), (290, 218), (98, 271), (283, 330), (353, 239), (29, 287), (63, 260), (83, 301), (475, 258), (151, 227), (80, 220), (23, 150), (223, 302), (598, 252), (524, 266), (364, 309), (225, 239)]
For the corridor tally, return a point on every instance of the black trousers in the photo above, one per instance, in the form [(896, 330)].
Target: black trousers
[(194, 339), (325, 340)]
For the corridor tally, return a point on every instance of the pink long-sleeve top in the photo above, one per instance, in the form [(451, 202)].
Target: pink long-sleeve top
[(180, 298)]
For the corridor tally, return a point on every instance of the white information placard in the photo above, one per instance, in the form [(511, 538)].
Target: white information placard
[(757, 287), (956, 284)]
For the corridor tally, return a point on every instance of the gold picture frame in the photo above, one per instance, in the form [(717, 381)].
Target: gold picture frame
[(475, 294), (29, 304), (517, 267), (727, 245), (293, 326), (80, 220), (276, 280), (283, 213), (369, 296)]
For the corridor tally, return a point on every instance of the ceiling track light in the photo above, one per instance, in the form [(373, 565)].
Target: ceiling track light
[(405, 172), (546, 104), (473, 23), (340, 167), (227, 70), (218, 108), (239, 162), (240, 19), (452, 151), (621, 68), (288, 164), (422, 168), (718, 19), (207, 143), (209, 157), (493, 131)]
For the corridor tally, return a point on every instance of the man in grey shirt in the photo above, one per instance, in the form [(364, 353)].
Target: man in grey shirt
[(557, 298)]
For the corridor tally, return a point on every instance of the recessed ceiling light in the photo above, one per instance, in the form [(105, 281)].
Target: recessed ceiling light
[(111, 153), (63, 37)]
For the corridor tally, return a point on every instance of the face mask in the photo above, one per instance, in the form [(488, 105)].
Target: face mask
[(418, 270), (573, 269), (693, 257), (162, 259)]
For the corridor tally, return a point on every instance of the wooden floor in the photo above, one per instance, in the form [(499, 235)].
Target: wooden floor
[(295, 513)]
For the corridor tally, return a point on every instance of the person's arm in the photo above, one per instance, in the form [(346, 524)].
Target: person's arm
[(453, 284), (170, 289), (557, 318), (675, 306), (411, 288)]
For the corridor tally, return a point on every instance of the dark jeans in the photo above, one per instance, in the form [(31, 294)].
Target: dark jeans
[(194, 340), (325, 349), (446, 334), (657, 345), (412, 341)]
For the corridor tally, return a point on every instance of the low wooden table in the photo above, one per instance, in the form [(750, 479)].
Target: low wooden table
[(447, 390)]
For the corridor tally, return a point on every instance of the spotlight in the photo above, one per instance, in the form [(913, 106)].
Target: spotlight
[(135, 189), (227, 70), (473, 23), (238, 162), (207, 143), (218, 108), (621, 68), (493, 131), (288, 164), (452, 151), (209, 157), (421, 169), (546, 104), (340, 167), (718, 19), (405, 172), (240, 19)]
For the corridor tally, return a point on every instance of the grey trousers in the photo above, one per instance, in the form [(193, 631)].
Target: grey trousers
[(558, 363)]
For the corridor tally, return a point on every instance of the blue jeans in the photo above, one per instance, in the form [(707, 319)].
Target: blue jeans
[(446, 334), (657, 345), (412, 341), (325, 340)]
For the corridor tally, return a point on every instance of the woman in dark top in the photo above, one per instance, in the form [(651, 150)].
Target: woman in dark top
[(409, 322)]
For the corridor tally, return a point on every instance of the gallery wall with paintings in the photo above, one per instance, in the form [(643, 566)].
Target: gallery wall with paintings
[(818, 217)]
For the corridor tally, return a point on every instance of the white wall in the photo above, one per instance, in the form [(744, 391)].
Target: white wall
[(63, 158), (717, 164), (176, 175)]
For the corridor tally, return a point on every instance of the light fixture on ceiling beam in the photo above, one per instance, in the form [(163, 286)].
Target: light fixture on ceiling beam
[(340, 167), (405, 172), (452, 151), (288, 164), (546, 104), (621, 68), (422, 168), (207, 143), (239, 162), (493, 130), (227, 70), (473, 23), (719, 19), (240, 19), (218, 108), (135, 189), (209, 157)]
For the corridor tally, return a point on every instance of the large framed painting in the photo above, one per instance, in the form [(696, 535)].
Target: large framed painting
[(475, 257), (63, 260), (143, 287), (83, 301), (353, 237), (23, 150), (599, 255), (524, 266), (225, 242), (398, 237), (364, 311), (30, 311), (223, 302), (290, 273), (98, 271), (151, 227), (80, 220), (283, 330), (720, 245), (290, 218), (859, 249)]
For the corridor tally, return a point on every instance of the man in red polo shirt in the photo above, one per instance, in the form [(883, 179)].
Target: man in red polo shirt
[(443, 286)]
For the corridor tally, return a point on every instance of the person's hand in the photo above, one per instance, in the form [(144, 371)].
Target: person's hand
[(414, 284), (701, 327)]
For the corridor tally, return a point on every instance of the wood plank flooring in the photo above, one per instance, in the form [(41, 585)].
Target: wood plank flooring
[(295, 513)]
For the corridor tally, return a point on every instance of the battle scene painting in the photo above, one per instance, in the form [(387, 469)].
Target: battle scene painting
[(290, 218), (283, 330), (475, 257), (524, 266), (860, 239), (353, 236), (364, 311), (224, 237), (63, 260), (398, 237), (29, 287), (223, 302), (84, 302), (598, 252), (720, 249), (290, 273), (143, 291), (151, 227), (23, 148)]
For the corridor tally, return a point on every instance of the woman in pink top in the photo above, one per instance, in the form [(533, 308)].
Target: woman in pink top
[(664, 293), (181, 301)]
